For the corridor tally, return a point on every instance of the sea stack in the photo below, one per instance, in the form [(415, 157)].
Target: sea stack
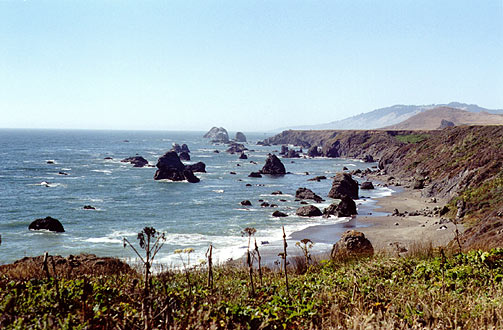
[(273, 165), (217, 134), (171, 168)]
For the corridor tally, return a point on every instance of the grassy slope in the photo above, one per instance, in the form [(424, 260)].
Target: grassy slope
[(464, 291)]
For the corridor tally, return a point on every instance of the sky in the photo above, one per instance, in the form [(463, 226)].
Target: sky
[(244, 65)]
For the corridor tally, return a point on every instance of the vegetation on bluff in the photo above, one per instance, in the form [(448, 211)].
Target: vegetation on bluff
[(430, 289)]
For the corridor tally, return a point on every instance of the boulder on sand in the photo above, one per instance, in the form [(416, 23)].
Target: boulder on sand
[(352, 243), (171, 168), (346, 207), (47, 223), (273, 165), (308, 211), (344, 185)]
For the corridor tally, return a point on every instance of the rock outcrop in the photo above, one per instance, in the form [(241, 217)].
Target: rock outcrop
[(217, 135), (314, 151), (197, 167), (254, 175), (273, 165), (240, 137), (279, 214), (81, 264), (47, 223), (346, 207), (308, 211), (344, 185), (184, 156), (305, 193), (243, 156), (137, 161), (235, 148), (171, 168), (367, 185), (352, 243), (185, 148)]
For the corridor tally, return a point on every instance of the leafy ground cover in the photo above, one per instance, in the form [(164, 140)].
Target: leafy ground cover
[(431, 289)]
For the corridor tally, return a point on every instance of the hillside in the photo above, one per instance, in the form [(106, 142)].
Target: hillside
[(463, 164), (436, 117), (388, 116)]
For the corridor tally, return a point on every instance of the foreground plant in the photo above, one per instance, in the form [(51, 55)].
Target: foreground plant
[(151, 241)]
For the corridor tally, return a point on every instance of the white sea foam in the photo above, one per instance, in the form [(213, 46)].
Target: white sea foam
[(106, 240), (218, 191), (103, 171)]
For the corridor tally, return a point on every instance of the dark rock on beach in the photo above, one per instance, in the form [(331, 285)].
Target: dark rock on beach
[(137, 161), (308, 211), (352, 243), (273, 165), (346, 207), (344, 185), (47, 223), (305, 193)]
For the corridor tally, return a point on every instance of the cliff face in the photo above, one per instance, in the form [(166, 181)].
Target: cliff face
[(348, 144), (463, 164)]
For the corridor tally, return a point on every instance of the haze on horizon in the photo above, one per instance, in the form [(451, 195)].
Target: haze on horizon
[(248, 66)]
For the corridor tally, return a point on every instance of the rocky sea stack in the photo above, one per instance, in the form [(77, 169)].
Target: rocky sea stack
[(137, 161), (217, 134), (240, 137), (171, 168), (47, 223), (273, 165)]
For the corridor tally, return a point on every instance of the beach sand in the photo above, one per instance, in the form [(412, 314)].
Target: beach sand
[(386, 231)]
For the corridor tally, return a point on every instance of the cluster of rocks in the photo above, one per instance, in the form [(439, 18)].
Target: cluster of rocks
[(137, 161), (220, 135), (170, 167), (427, 212)]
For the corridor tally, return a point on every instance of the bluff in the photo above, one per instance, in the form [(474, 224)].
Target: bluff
[(463, 164)]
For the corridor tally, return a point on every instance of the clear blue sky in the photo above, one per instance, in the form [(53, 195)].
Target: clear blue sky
[(244, 65)]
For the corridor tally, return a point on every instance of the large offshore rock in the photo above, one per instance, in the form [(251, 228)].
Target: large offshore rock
[(305, 193), (137, 161), (240, 137), (217, 134), (171, 168), (273, 165), (47, 223), (346, 207)]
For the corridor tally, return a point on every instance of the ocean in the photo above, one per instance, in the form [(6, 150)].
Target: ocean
[(127, 199)]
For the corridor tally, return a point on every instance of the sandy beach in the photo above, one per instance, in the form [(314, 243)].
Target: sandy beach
[(385, 232)]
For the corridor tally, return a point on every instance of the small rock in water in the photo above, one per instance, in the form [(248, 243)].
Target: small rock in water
[(246, 203), (279, 214), (89, 207)]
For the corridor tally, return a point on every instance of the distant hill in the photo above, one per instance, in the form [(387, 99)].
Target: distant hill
[(388, 116), (446, 116)]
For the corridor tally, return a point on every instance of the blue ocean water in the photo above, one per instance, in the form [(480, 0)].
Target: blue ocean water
[(127, 199)]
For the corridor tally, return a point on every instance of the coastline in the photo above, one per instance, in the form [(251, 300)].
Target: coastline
[(385, 231)]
